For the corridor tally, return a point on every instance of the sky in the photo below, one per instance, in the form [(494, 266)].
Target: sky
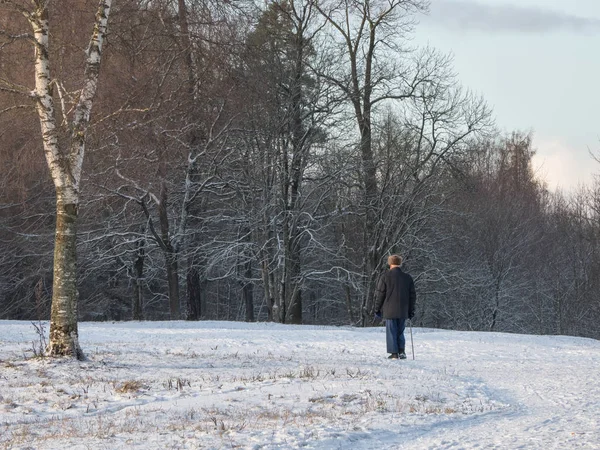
[(537, 64)]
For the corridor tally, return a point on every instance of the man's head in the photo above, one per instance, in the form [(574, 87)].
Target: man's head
[(394, 260)]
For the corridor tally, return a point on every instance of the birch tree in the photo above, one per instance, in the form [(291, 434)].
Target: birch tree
[(64, 158)]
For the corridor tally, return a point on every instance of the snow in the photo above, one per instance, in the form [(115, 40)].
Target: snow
[(156, 385)]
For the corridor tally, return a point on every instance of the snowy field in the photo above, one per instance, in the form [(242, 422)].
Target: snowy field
[(158, 385)]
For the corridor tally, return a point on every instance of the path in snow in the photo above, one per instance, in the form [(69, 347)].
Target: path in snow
[(236, 385), (550, 383)]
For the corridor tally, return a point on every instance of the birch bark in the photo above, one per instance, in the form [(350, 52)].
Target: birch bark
[(65, 168)]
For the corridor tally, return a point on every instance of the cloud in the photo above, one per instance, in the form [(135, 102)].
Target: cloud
[(562, 166), (473, 15)]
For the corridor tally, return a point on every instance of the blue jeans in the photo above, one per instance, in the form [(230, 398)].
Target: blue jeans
[(394, 335)]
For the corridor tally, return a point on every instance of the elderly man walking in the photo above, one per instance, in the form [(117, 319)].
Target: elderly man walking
[(395, 302)]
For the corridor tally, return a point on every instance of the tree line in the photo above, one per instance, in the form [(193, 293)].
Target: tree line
[(249, 161)]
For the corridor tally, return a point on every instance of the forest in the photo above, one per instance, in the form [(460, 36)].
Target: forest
[(258, 161)]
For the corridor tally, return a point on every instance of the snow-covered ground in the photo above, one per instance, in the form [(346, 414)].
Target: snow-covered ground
[(157, 385)]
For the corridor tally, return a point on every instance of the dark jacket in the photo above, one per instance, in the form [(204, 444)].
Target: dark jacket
[(395, 295)]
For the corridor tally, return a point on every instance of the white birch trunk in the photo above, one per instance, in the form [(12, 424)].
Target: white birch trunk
[(65, 169)]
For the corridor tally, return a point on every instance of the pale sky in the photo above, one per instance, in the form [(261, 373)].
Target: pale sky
[(537, 64)]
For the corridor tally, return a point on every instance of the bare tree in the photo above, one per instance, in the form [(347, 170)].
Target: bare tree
[(283, 116), (369, 66)]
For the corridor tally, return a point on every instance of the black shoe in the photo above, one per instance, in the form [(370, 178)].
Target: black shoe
[(402, 355), (394, 356)]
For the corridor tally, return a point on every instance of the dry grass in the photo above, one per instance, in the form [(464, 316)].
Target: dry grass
[(177, 384), (9, 364), (296, 396), (130, 386)]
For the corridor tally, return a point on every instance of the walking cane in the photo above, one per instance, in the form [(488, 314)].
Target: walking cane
[(411, 340)]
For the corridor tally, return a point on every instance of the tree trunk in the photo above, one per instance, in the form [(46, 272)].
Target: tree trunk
[(187, 48), (349, 304), (248, 293), (269, 287), (295, 309), (173, 280), (294, 290), (169, 250), (65, 168), (496, 306), (371, 205), (281, 305), (138, 290), (64, 336), (300, 148), (194, 294)]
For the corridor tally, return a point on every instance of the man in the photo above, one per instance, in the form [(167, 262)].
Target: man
[(395, 302)]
